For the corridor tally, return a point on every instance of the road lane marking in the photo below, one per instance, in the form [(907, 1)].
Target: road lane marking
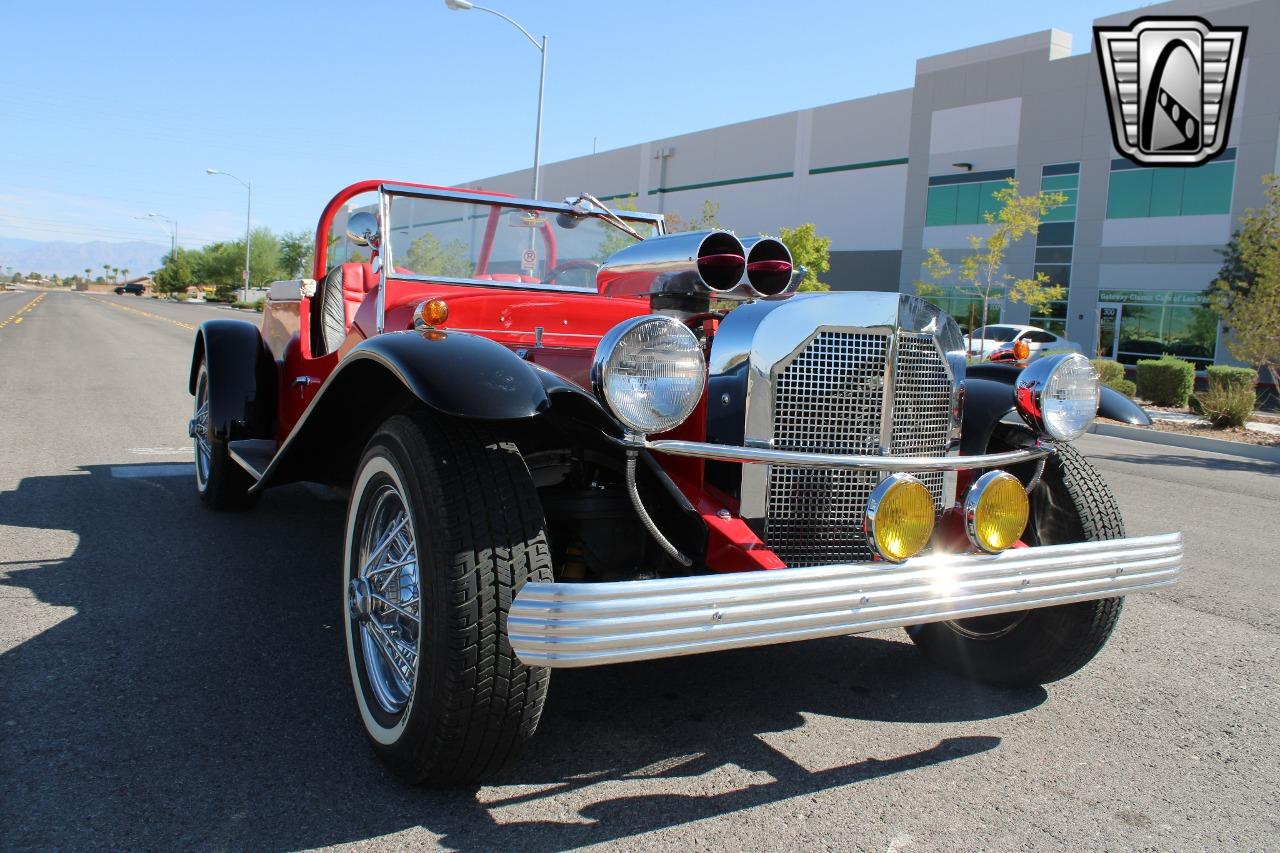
[(178, 323), (125, 472), (163, 451), (16, 318)]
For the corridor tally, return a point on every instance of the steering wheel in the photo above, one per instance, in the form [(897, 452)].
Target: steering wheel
[(586, 268)]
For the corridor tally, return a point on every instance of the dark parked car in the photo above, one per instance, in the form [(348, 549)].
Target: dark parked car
[(132, 287), (560, 452)]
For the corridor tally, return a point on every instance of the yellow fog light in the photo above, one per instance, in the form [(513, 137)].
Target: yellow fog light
[(899, 517), (995, 511)]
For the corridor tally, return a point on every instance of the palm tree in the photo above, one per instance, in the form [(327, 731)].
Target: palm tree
[(106, 269), (125, 272)]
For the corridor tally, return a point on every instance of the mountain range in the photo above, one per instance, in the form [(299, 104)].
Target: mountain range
[(65, 258)]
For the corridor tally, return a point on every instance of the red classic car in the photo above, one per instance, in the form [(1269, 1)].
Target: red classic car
[(561, 450)]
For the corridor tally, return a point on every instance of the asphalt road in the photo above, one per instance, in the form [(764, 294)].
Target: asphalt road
[(172, 678)]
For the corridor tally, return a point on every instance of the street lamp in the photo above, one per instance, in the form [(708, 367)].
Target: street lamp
[(248, 213), (172, 229), (464, 5)]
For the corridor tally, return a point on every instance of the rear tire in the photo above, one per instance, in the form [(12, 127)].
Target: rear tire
[(1072, 503), (462, 704), (220, 481)]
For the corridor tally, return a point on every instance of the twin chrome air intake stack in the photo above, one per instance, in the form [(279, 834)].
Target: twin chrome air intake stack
[(683, 272)]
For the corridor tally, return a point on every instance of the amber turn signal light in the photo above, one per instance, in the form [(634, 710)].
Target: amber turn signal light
[(1021, 350), (430, 314)]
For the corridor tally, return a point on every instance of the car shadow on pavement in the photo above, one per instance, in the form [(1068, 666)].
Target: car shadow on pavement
[(1217, 462), (190, 690)]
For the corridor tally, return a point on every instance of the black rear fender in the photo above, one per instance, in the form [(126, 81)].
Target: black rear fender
[(242, 379)]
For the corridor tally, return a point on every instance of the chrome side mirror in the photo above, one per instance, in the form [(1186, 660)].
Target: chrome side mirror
[(362, 229)]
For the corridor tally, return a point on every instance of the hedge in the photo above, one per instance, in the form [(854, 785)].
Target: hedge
[(1108, 371), (1124, 386), (1166, 381), (1231, 377)]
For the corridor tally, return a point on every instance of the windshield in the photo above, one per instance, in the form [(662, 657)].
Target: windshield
[(484, 241), (1001, 334)]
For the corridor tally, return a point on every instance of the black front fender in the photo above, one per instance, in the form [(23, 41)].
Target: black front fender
[(451, 373), (456, 374), (242, 379), (988, 397)]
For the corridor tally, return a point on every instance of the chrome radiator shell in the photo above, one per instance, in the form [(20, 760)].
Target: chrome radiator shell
[(850, 373)]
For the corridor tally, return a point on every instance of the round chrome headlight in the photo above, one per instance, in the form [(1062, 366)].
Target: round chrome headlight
[(1058, 396), (649, 372)]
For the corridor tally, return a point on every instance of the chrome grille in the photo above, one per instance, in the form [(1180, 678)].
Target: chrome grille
[(921, 405), (829, 398)]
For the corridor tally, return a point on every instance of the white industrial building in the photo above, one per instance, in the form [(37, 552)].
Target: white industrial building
[(890, 175)]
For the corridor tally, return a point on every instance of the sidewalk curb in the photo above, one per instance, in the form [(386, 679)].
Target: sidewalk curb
[(1192, 442)]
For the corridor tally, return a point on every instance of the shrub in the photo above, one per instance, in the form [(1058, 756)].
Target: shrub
[(1221, 374), (1108, 371), (1124, 386), (1166, 381), (1227, 405)]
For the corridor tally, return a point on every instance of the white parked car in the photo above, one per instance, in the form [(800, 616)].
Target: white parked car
[(1001, 337)]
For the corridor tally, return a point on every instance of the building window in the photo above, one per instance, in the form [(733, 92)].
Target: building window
[(1149, 323), (1055, 241), (1138, 192), (1069, 186), (965, 198)]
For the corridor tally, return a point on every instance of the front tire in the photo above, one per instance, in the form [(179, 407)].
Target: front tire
[(443, 529), (1072, 503)]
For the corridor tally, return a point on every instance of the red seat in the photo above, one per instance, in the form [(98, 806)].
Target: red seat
[(357, 281), (339, 298)]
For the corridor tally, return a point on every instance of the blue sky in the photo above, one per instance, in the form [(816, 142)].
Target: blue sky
[(109, 111)]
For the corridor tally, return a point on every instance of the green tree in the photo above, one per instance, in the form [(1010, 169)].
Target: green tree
[(428, 256), (219, 265), (707, 220), (175, 273), (1248, 301), (295, 253), (810, 250), (264, 258), (981, 272)]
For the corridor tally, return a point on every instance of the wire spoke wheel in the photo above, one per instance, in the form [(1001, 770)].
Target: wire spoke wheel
[(384, 599), (200, 431)]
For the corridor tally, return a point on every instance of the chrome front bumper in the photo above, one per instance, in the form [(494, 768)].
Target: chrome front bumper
[(587, 624)]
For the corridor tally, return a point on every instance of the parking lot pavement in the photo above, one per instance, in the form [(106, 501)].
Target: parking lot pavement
[(175, 678)]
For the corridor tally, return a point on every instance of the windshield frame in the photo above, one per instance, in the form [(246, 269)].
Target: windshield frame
[(386, 266), (389, 191)]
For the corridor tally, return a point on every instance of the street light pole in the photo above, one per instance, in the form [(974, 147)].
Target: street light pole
[(465, 5), (172, 229), (248, 219)]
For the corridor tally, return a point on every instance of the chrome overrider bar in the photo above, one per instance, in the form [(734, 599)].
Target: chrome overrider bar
[(586, 624), (800, 459)]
